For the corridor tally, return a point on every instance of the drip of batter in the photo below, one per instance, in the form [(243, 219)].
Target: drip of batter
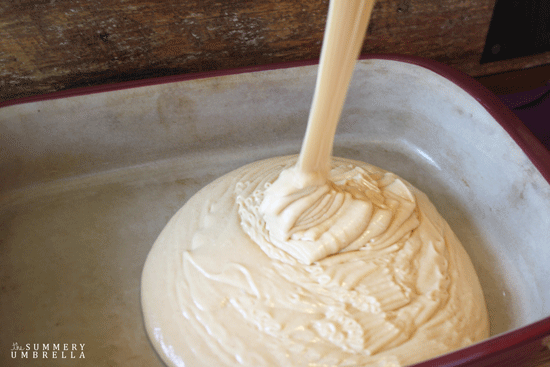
[(310, 260), (306, 214)]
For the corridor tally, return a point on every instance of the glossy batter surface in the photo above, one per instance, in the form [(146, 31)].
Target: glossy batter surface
[(394, 288)]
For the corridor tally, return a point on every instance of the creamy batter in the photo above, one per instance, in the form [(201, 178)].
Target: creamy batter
[(217, 291), (308, 260)]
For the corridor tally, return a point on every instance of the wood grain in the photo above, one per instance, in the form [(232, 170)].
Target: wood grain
[(49, 45)]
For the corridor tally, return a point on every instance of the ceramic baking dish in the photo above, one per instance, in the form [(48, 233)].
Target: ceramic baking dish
[(91, 176)]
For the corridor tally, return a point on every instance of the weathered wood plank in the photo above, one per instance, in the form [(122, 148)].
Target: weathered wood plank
[(49, 45)]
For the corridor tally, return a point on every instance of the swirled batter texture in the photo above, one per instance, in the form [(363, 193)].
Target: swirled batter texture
[(360, 270)]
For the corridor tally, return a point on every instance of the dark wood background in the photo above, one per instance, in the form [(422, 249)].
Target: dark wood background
[(52, 45)]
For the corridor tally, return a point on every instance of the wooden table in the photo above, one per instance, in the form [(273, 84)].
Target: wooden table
[(52, 45)]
